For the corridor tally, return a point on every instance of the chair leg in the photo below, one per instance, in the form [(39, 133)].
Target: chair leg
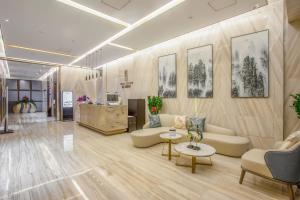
[(291, 192), (243, 172)]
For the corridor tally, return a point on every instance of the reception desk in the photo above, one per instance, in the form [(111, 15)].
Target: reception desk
[(103, 118)]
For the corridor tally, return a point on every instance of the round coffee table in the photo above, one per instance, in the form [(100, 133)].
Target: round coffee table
[(170, 136), (205, 151)]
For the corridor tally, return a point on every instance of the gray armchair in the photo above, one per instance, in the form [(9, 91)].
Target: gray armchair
[(285, 167), (280, 165)]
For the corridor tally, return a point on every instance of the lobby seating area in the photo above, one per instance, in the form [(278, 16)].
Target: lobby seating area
[(223, 140)]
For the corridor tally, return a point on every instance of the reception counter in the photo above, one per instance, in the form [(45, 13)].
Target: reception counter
[(104, 119)]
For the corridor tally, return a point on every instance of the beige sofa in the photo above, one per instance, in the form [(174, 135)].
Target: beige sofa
[(223, 140)]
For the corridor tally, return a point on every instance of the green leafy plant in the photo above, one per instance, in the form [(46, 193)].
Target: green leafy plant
[(296, 103), (154, 104), (26, 100)]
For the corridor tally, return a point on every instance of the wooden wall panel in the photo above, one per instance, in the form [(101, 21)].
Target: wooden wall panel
[(73, 79), (259, 119), (292, 74), (293, 10)]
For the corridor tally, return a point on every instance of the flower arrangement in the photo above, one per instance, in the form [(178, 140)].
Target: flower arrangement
[(26, 100), (154, 104), (296, 103), (82, 98)]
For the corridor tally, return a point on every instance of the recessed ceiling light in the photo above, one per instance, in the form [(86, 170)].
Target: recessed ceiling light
[(93, 12), (7, 20), (145, 19)]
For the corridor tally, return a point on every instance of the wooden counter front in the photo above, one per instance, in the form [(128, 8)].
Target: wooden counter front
[(105, 119)]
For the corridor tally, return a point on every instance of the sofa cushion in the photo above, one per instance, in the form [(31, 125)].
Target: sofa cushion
[(154, 121), (167, 120), (295, 146), (226, 144), (180, 122), (219, 130), (254, 160), (290, 141), (197, 121)]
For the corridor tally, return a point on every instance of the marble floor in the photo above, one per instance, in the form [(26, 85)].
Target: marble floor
[(60, 160)]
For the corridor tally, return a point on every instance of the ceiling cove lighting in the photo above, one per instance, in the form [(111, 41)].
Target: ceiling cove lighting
[(39, 50), (145, 19), (93, 12), (120, 46), (50, 72), (37, 62)]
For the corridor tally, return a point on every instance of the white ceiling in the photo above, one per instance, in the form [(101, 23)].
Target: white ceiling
[(21, 70), (186, 17), (52, 26)]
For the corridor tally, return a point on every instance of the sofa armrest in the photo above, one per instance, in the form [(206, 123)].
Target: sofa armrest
[(147, 125), (284, 165)]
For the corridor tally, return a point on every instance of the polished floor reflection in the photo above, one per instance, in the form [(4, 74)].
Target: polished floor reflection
[(61, 160)]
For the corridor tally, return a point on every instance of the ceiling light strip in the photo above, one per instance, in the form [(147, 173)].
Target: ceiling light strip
[(50, 72), (120, 46), (93, 12), (37, 62), (39, 50), (152, 15)]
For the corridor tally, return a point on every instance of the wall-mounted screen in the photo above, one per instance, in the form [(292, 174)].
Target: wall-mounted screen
[(67, 97)]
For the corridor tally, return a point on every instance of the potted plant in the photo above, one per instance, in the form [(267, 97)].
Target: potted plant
[(154, 104), (296, 103), (25, 105)]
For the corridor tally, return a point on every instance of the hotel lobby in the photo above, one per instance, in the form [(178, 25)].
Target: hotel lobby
[(147, 100)]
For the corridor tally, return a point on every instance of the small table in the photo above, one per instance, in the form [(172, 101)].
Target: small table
[(205, 151), (170, 136)]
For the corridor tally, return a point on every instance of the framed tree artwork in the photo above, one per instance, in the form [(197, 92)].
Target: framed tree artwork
[(200, 72), (167, 76), (250, 65)]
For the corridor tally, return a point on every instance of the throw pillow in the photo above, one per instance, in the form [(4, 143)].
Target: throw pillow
[(291, 140), (180, 122), (154, 121), (197, 121)]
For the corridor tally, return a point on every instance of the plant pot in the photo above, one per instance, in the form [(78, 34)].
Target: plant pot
[(24, 108)]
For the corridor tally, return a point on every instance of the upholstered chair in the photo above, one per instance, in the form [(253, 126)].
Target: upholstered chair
[(281, 164)]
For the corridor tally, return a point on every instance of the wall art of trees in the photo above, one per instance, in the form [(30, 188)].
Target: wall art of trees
[(167, 80), (250, 63), (200, 72)]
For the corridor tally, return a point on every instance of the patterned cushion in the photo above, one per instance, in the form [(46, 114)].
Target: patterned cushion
[(154, 121), (194, 121), (180, 122)]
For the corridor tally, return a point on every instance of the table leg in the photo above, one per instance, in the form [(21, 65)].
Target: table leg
[(170, 149), (193, 164)]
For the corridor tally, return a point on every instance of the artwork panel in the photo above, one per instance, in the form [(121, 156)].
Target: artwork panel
[(200, 72), (250, 65), (167, 76)]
